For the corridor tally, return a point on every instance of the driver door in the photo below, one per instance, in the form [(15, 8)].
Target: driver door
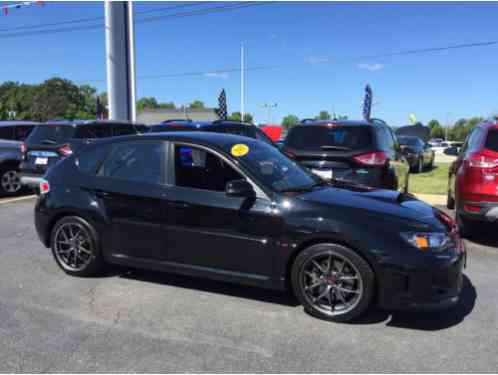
[(208, 229)]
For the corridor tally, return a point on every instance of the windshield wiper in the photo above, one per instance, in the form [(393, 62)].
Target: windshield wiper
[(335, 148), (49, 142)]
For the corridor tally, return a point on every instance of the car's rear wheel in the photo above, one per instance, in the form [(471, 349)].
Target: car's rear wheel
[(10, 182), (333, 282), (75, 247)]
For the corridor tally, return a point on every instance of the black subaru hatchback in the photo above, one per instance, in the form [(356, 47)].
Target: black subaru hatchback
[(235, 209)]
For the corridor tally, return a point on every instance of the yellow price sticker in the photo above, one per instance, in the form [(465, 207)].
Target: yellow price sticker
[(239, 150)]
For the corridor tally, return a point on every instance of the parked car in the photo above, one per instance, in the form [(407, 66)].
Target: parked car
[(49, 143), (364, 152), (274, 132), (241, 211), (473, 179), (12, 134), (219, 126), (418, 153)]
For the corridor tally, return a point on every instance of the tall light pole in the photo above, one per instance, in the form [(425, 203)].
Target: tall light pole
[(120, 58), (269, 107), (242, 94)]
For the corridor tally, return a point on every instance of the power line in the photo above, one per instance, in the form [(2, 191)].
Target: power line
[(323, 62), (198, 12), (91, 19)]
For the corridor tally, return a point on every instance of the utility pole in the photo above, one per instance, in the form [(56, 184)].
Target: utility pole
[(120, 58), (242, 98), (269, 107)]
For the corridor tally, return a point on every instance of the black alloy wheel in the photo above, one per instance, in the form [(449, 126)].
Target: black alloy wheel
[(75, 247), (333, 282)]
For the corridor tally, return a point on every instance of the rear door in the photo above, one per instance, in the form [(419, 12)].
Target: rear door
[(129, 185), (329, 151)]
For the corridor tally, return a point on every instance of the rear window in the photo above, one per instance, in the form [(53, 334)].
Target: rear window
[(408, 141), (51, 134), (93, 131), (492, 140), (324, 138)]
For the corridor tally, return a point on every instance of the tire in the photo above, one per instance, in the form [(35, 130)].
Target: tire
[(466, 227), (80, 255), (450, 201), (10, 183), (347, 289)]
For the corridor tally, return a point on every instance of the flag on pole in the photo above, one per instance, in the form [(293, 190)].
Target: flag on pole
[(222, 105), (367, 103), (19, 5)]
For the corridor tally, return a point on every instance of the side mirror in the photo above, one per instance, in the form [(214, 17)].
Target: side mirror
[(239, 188), (452, 151)]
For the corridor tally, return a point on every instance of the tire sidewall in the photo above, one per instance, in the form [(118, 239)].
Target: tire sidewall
[(367, 274), (96, 263), (3, 171)]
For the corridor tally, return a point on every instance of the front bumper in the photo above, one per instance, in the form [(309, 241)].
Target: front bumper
[(432, 287)]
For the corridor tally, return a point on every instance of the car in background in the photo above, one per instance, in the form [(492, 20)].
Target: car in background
[(274, 132), (473, 179), (364, 152), (218, 126), (245, 213), (53, 141), (418, 153), (12, 134)]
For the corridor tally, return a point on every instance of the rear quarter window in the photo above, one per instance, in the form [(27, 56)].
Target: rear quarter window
[(91, 158), (320, 138)]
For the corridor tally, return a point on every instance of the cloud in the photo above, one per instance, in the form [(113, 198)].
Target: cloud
[(313, 60), (370, 67), (221, 75)]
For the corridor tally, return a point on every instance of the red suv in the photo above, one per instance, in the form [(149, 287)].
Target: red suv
[(473, 179)]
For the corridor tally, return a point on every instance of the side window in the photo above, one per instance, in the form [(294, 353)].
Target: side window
[(93, 131), (473, 140), (6, 132), (123, 130), (196, 168), (243, 130), (390, 142), (89, 160), (135, 161), (381, 139), (22, 132)]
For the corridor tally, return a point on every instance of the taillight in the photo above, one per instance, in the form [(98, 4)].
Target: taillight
[(65, 150), (44, 187), (372, 158), (482, 161), (472, 208)]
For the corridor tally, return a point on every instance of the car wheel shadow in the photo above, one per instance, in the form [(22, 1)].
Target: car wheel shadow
[(210, 286), (427, 321)]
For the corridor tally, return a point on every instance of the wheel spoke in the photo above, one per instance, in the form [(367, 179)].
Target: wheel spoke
[(347, 290), (312, 286), (84, 250), (348, 278), (329, 264), (317, 265), (323, 294), (339, 293)]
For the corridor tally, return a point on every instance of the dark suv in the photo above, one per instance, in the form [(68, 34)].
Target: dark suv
[(53, 141), (363, 152), (12, 134), (219, 126)]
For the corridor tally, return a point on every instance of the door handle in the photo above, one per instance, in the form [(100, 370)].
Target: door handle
[(178, 204), (101, 193)]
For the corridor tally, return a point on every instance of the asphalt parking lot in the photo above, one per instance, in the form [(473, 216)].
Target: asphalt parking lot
[(141, 321)]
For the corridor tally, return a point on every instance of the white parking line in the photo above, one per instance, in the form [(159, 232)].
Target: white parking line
[(4, 201)]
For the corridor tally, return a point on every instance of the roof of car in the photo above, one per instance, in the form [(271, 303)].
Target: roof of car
[(199, 124), (17, 123), (91, 122), (336, 122)]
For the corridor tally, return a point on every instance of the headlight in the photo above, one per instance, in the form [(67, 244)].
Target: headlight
[(428, 241)]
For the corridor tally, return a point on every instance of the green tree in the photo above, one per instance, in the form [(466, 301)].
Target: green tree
[(57, 98), (323, 115), (437, 130), (147, 102), (458, 131), (289, 121), (169, 105), (235, 116), (196, 104)]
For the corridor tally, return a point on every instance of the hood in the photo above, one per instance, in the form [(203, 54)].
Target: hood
[(385, 203)]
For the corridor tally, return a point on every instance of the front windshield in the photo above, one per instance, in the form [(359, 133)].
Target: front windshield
[(275, 169)]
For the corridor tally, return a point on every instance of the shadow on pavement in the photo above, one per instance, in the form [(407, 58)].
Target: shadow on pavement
[(428, 321), (210, 286)]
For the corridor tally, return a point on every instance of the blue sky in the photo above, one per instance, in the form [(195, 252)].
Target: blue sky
[(323, 44)]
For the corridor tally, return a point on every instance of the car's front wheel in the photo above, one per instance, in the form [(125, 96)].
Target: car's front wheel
[(75, 247), (333, 282)]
